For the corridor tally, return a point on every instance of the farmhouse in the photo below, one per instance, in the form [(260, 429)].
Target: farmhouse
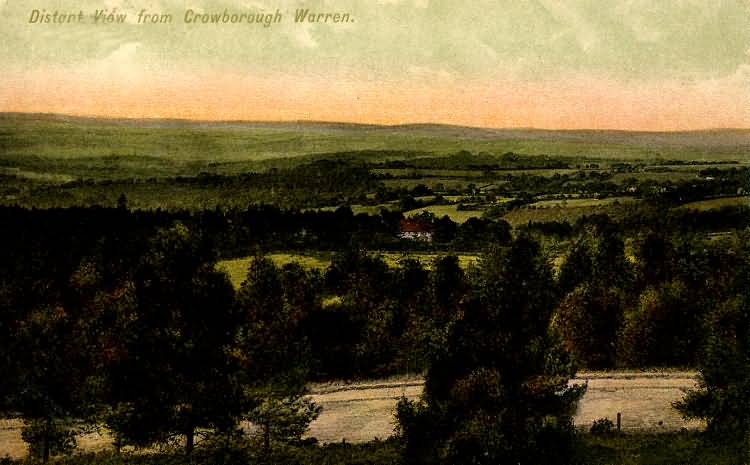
[(415, 230)]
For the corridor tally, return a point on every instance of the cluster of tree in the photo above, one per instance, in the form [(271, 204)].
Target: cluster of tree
[(234, 232), (159, 346), (155, 347), (645, 304), (496, 389), (724, 361), (118, 318), (465, 160)]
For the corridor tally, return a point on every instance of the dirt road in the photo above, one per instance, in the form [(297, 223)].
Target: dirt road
[(358, 412), (363, 411)]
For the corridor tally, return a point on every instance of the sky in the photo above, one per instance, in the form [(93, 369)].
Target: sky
[(656, 65)]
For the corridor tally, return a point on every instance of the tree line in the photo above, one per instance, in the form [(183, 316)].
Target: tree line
[(138, 330)]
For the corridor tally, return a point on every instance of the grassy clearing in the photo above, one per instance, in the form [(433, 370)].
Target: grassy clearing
[(630, 449), (673, 176), (426, 259), (578, 203), (521, 216), (373, 209), (712, 204), (237, 268), (433, 183), (539, 172), (459, 216), (429, 172)]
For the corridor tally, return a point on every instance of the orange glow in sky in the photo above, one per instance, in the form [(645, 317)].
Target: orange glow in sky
[(573, 104)]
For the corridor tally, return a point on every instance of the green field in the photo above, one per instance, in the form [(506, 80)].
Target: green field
[(579, 203), (237, 268), (712, 204), (426, 259), (452, 211), (402, 172), (521, 216), (432, 183)]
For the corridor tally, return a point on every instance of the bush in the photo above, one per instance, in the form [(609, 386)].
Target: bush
[(61, 440), (602, 427)]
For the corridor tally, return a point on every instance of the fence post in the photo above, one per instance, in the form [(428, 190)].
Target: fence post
[(619, 421)]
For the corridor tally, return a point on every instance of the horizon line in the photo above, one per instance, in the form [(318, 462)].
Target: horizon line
[(135, 119)]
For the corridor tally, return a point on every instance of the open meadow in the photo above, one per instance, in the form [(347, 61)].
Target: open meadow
[(237, 268), (451, 211), (712, 204)]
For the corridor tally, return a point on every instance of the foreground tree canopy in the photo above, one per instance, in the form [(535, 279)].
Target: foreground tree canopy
[(498, 391), (124, 319)]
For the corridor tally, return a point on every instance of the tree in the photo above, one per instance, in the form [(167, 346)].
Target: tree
[(176, 376), (589, 320), (283, 417), (577, 267), (595, 280), (363, 287), (651, 335), (47, 376), (498, 393), (724, 385), (412, 320), (273, 354), (54, 378)]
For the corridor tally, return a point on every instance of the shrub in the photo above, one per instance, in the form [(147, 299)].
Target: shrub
[(61, 440), (602, 427)]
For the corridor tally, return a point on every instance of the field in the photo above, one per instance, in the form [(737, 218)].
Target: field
[(452, 211), (580, 203), (436, 183), (237, 268), (426, 259), (412, 172), (712, 204), (362, 411), (524, 215)]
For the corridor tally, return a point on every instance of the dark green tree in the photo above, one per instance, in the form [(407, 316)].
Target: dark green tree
[(363, 286), (53, 377), (662, 329), (589, 320), (577, 268), (176, 376), (498, 393), (412, 321), (724, 385), (273, 353), (596, 281)]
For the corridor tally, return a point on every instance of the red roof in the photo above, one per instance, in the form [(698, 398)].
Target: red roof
[(415, 226)]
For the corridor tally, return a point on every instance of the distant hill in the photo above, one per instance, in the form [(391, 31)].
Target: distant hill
[(729, 137), (71, 147)]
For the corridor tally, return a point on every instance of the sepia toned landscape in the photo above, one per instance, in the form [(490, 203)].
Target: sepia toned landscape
[(327, 285), (416, 232)]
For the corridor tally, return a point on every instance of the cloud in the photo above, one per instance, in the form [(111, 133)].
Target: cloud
[(574, 22), (303, 37), (417, 3)]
